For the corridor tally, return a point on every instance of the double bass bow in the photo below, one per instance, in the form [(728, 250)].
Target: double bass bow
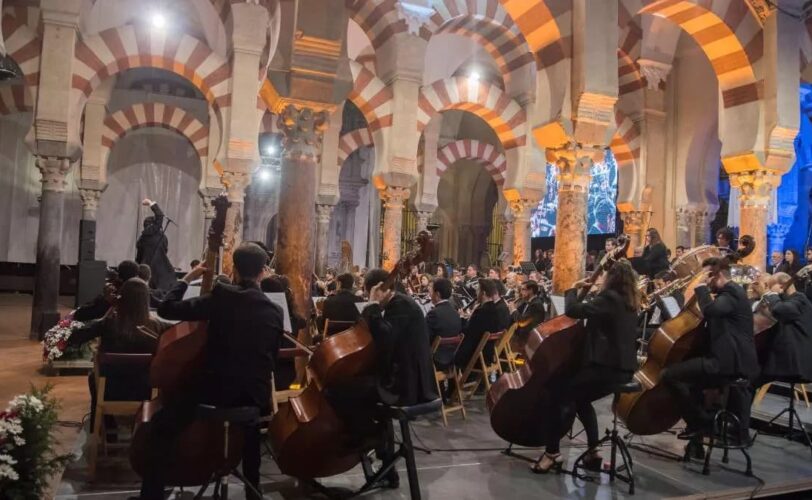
[(653, 410), (175, 369), (517, 401), (307, 436)]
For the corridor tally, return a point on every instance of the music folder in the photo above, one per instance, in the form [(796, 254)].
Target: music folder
[(279, 299)]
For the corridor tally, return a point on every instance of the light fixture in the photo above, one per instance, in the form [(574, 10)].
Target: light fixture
[(270, 150), (264, 175), (474, 75), (158, 20), (8, 70)]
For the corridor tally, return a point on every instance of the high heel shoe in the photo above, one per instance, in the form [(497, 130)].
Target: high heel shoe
[(555, 462)]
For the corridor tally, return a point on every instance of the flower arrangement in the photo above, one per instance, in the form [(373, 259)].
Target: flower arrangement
[(55, 342), (27, 457)]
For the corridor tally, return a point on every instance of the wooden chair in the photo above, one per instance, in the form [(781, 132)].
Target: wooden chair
[(450, 373), (279, 397), (105, 407), (486, 369), (469, 388), (504, 354), (800, 392), (333, 327)]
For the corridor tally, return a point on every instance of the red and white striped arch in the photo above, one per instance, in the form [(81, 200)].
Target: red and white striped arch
[(484, 154), (118, 49), (351, 142), (480, 97), (625, 147), (372, 97), (628, 74), (378, 18), (546, 26), (155, 114), (23, 44), (727, 31), (487, 23), (15, 99)]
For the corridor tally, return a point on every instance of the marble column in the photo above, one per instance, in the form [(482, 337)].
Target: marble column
[(702, 220), (45, 310), (394, 200), (507, 239), (87, 225), (633, 227), (685, 221), (571, 223), (521, 211), (423, 219), (303, 129), (323, 214), (235, 184), (756, 188)]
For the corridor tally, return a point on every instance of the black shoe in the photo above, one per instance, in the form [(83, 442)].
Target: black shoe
[(694, 451)]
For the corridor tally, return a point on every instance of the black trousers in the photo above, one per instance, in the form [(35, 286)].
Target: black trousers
[(575, 396), (162, 442), (688, 379)]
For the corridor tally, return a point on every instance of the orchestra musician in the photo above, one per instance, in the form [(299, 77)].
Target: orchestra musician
[(724, 240), (341, 305), (529, 312), (98, 307), (443, 321), (404, 374), (609, 245), (728, 352), (789, 350), (608, 358), (244, 331), (655, 255), (496, 275), (485, 318)]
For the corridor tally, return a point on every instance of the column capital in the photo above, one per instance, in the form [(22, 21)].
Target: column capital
[(235, 184), (632, 220), (521, 209), (574, 165), (324, 212), (395, 197), (756, 186), (303, 129), (655, 72), (423, 218), (778, 231), (416, 16), (90, 202), (54, 172)]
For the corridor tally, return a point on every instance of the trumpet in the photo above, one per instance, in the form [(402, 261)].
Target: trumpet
[(677, 284)]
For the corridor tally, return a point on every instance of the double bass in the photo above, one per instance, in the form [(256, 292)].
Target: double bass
[(653, 410), (174, 370), (307, 437), (517, 402)]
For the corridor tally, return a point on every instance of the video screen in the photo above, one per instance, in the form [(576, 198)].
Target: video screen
[(601, 209)]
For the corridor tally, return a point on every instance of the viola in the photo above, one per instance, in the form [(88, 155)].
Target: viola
[(517, 402), (174, 370), (653, 410), (308, 438)]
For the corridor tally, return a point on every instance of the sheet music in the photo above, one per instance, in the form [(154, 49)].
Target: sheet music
[(558, 304), (192, 291), (671, 306), (279, 299)]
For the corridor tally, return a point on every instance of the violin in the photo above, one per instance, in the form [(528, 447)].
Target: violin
[(307, 437), (518, 401), (653, 410), (174, 370)]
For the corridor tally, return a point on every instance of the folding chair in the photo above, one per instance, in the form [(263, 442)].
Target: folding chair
[(104, 407), (504, 354), (469, 388), (449, 374)]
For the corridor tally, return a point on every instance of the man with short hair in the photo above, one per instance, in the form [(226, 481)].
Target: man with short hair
[(776, 257), (724, 240), (443, 321), (341, 305), (608, 245), (244, 330), (97, 308), (530, 310), (484, 319)]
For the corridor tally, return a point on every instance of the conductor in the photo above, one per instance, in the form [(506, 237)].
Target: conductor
[(152, 248)]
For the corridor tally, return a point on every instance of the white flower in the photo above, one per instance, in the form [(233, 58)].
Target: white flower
[(35, 403), (8, 459), (8, 472), (19, 441)]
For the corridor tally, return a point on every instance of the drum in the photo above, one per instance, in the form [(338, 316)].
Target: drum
[(691, 261)]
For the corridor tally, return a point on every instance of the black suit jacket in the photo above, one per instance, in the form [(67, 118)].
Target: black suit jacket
[(340, 307), (405, 371), (611, 330), (151, 249), (443, 321), (484, 319), (529, 315), (729, 335), (654, 260), (503, 320), (244, 333), (789, 355)]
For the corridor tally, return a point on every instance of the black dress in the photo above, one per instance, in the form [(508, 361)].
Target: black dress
[(151, 249), (789, 353)]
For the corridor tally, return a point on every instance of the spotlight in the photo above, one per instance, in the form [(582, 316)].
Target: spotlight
[(270, 150), (158, 20), (474, 76), (264, 175)]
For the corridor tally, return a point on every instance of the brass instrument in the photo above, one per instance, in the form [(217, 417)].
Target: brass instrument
[(676, 285)]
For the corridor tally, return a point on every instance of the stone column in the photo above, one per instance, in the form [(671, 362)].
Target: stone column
[(507, 239), (45, 310), (394, 200), (521, 211), (570, 226), (702, 220), (685, 221), (303, 129), (87, 225), (323, 214), (633, 227), (756, 188), (423, 219), (235, 184)]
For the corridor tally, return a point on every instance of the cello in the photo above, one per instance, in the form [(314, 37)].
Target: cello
[(517, 401), (174, 369), (307, 437), (653, 410)]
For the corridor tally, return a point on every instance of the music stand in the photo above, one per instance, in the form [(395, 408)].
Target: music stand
[(527, 267)]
